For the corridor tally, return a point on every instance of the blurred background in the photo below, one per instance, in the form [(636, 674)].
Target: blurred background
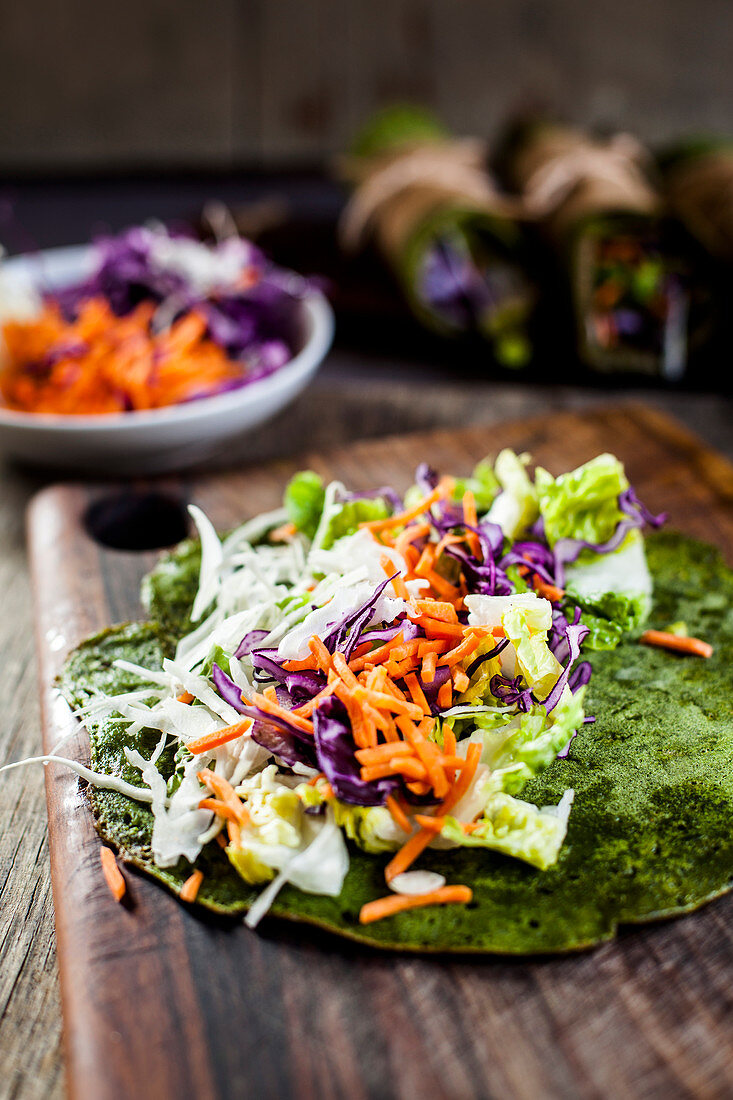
[(115, 114), (161, 86)]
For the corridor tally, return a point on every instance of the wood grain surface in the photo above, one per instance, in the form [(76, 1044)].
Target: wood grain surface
[(160, 1003)]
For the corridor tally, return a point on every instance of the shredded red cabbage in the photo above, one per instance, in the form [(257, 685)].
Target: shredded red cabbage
[(336, 759), (512, 691)]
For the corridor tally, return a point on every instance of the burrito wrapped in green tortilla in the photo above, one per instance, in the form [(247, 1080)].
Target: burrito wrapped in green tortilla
[(628, 282), (426, 201), (698, 184)]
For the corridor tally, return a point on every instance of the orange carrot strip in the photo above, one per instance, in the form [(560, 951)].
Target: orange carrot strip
[(435, 609), (224, 791), (460, 680), (447, 540), (285, 533), (222, 809), (306, 709), (191, 886), (338, 662), (234, 833), (271, 707), (307, 664), (376, 655), (398, 584), (417, 844), (399, 765), (441, 490), (445, 695), (436, 629), (442, 586), (428, 753), (416, 692), (449, 749), (427, 821), (185, 697), (321, 654), (218, 737), (383, 752), (381, 700), (467, 646), (693, 646), (411, 534), (112, 874), (425, 561), (396, 903), (220, 840), (398, 813), (471, 518), (438, 645), (428, 668)]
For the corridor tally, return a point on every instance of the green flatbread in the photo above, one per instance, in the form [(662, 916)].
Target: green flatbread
[(650, 834)]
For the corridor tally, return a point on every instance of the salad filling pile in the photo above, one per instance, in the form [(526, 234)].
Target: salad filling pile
[(163, 319), (385, 673)]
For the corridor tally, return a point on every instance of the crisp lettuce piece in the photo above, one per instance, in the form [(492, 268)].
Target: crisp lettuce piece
[(582, 504), (517, 747), (304, 498), (616, 586), (515, 508), (483, 483), (274, 831), (339, 517), (515, 828), (526, 627), (371, 827)]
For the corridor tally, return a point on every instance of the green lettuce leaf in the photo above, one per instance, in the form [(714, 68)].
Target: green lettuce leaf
[(582, 504), (304, 498), (515, 508), (483, 483), (514, 828), (339, 518)]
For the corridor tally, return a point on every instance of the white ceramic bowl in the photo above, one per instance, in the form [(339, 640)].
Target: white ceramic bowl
[(156, 440)]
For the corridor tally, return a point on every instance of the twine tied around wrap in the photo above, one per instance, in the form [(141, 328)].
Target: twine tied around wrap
[(700, 192), (397, 190), (564, 176)]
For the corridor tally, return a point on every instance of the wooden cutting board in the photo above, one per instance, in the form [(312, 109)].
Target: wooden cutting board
[(159, 1002)]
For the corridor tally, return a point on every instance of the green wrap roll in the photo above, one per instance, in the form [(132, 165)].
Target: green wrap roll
[(628, 282), (427, 203)]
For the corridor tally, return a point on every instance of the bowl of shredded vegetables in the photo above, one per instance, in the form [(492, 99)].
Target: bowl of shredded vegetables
[(151, 350)]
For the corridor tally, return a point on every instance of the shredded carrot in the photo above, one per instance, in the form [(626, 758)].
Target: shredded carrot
[(419, 842), (269, 706), (307, 709), (398, 585), (399, 816), (416, 692), (234, 833), (220, 840), (219, 737), (471, 519), (225, 810), (398, 765), (191, 887), (112, 874), (383, 752), (445, 695), (224, 791), (185, 697), (435, 609), (467, 646), (427, 821), (441, 490), (460, 680), (396, 903), (434, 628), (308, 664), (321, 654), (429, 662), (340, 667), (102, 363), (693, 646), (411, 534), (285, 533)]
